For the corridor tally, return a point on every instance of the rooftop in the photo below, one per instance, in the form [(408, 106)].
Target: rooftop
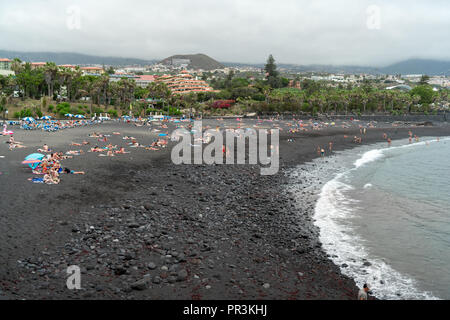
[(146, 78), (91, 68)]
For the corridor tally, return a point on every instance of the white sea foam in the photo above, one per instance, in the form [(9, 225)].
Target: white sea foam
[(378, 154), (332, 215), (369, 156), (339, 240)]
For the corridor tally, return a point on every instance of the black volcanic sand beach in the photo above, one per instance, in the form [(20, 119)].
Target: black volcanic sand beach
[(141, 227)]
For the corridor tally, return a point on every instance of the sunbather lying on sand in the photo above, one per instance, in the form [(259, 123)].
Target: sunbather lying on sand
[(68, 171), (59, 156), (97, 149), (136, 145), (12, 141), (121, 151), (110, 146), (80, 144), (16, 146), (108, 154), (95, 135), (75, 152)]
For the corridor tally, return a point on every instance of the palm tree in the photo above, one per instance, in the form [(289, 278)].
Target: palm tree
[(345, 100), (333, 100), (17, 66), (113, 92), (103, 83), (51, 73)]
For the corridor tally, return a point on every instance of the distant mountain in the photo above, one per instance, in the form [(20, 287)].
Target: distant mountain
[(202, 61), (418, 66), (193, 61), (72, 58), (413, 66)]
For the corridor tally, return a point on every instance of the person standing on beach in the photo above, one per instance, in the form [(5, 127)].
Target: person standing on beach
[(330, 146), (363, 293)]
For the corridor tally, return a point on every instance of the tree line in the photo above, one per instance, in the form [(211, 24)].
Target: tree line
[(268, 94)]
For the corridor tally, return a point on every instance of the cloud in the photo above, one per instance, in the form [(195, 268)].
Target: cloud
[(294, 31)]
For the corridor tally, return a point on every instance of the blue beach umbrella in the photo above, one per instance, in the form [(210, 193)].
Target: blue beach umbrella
[(79, 116), (28, 119), (46, 118), (69, 115), (33, 160)]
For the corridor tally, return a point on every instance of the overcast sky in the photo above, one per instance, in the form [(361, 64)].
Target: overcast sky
[(356, 32)]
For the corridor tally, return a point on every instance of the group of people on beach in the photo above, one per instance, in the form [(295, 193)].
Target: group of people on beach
[(50, 168)]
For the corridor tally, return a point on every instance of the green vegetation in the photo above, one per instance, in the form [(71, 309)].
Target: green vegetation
[(425, 92), (57, 91)]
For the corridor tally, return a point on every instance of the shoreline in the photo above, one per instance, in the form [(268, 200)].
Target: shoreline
[(222, 232), (316, 173)]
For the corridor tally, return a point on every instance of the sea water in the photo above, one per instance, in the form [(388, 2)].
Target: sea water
[(384, 217)]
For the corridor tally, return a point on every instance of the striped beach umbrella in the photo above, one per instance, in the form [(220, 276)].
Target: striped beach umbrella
[(33, 160), (28, 119), (79, 116), (69, 115), (46, 117)]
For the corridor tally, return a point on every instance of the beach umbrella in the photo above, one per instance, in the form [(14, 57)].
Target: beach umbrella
[(28, 119), (35, 156), (7, 132), (69, 115), (33, 160), (46, 117), (79, 116)]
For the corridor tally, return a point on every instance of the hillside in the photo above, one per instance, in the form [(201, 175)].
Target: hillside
[(419, 66), (71, 58), (194, 61), (413, 66)]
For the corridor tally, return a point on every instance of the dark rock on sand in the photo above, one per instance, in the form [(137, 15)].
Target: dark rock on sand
[(182, 275)]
